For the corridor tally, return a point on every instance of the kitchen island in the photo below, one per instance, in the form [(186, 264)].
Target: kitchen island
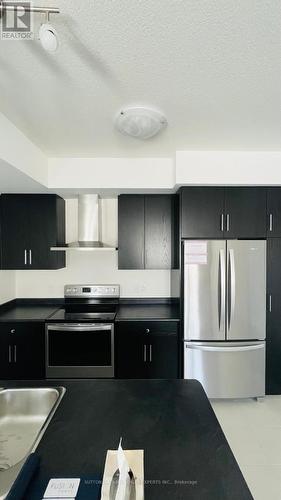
[(186, 455)]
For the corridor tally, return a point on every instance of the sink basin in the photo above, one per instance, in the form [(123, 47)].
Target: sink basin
[(24, 416)]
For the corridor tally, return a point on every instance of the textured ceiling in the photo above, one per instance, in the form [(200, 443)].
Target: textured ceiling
[(212, 66)]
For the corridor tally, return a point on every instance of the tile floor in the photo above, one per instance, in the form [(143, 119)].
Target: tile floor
[(253, 430)]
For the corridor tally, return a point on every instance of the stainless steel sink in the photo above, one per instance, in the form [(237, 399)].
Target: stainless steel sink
[(24, 416)]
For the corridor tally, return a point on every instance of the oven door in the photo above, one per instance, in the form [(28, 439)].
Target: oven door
[(75, 350)]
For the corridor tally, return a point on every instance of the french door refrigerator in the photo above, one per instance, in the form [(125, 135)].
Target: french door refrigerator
[(225, 316)]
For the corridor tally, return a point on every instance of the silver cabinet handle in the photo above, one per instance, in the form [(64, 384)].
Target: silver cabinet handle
[(270, 303), (231, 294), (15, 353), (144, 353), (150, 353), (25, 257), (221, 290), (270, 222), (13, 330), (10, 354), (227, 222), (222, 222), (147, 330), (30, 257)]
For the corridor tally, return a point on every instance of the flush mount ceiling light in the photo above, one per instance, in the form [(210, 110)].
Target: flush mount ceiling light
[(139, 122), (47, 33)]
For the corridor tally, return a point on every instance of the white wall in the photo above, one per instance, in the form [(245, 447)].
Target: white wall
[(93, 267), (228, 168), (7, 286), (17, 150), (111, 173)]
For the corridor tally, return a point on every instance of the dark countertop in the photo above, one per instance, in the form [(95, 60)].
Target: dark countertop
[(172, 420), (27, 312), (142, 312), (39, 310)]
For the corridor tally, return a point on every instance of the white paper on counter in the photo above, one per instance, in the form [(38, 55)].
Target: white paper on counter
[(62, 488), (135, 459), (124, 469)]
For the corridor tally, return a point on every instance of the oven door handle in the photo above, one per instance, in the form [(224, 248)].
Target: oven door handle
[(66, 327)]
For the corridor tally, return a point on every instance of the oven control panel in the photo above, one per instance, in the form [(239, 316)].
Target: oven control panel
[(91, 290)]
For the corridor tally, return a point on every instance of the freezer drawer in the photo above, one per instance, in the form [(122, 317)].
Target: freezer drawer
[(227, 369)]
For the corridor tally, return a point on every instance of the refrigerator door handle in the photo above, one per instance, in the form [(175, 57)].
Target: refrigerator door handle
[(221, 290), (226, 349), (231, 287)]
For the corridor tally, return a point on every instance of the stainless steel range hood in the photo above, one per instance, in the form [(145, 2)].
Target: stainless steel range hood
[(89, 226)]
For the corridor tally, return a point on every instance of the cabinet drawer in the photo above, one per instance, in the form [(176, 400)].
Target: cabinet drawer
[(149, 327)]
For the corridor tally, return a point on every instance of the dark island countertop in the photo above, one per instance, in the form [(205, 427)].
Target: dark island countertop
[(186, 455), (150, 312), (20, 312)]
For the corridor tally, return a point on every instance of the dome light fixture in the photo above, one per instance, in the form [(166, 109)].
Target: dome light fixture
[(140, 122)]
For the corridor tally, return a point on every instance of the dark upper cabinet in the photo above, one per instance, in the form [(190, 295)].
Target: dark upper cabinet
[(131, 232), (202, 210), (273, 334), (22, 350), (147, 349), (146, 232), (218, 212), (30, 225), (245, 212), (159, 231), (274, 212)]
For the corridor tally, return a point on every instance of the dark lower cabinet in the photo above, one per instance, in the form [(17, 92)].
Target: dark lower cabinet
[(146, 349), (22, 350), (273, 335)]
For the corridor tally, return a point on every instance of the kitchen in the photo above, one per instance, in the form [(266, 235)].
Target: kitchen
[(134, 263)]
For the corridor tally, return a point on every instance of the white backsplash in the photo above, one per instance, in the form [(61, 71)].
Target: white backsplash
[(7, 286)]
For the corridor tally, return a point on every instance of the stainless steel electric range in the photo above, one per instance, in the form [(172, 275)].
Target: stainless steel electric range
[(80, 336)]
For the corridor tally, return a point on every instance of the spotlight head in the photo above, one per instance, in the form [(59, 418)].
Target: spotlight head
[(48, 37)]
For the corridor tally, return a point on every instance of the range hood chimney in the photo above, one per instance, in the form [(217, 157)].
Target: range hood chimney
[(89, 226)]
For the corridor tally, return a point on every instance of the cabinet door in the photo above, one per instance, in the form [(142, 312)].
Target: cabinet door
[(202, 212), (43, 233), (273, 344), (245, 212), (15, 228), (159, 229), (131, 232), (22, 350), (130, 351), (31, 224), (274, 212), (162, 349)]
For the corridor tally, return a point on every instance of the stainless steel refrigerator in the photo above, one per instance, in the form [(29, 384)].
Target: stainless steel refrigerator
[(225, 316)]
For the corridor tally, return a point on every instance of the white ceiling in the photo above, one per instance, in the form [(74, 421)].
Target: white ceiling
[(212, 66)]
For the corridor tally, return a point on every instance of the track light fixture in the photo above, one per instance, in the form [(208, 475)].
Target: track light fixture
[(47, 34)]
